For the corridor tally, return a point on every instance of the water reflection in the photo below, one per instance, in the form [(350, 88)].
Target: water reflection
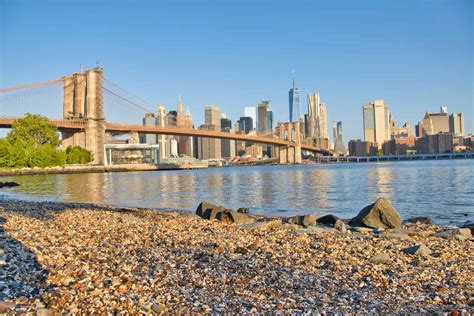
[(440, 189)]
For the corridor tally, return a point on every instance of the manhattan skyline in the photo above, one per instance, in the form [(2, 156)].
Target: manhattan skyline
[(225, 55)]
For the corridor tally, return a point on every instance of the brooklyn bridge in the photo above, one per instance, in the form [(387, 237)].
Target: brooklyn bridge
[(83, 122)]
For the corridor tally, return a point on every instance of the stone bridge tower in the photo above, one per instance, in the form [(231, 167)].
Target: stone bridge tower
[(290, 131), (83, 101)]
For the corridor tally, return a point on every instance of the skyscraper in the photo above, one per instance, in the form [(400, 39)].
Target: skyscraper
[(317, 117), (210, 148), (269, 118), (262, 119), (294, 102), (184, 119), (251, 111), (456, 124), (339, 142), (376, 122)]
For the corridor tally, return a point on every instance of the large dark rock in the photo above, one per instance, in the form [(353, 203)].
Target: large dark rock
[(8, 184), (380, 214), (420, 220), (211, 211), (303, 220), (327, 220)]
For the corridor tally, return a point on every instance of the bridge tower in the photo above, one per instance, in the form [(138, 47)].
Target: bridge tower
[(83, 101), (290, 131)]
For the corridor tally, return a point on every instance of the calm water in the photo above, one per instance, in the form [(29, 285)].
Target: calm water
[(443, 190)]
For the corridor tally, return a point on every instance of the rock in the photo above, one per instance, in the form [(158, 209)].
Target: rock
[(130, 219), (328, 220), (420, 220), (238, 218), (8, 184), (362, 230), (340, 226), (158, 307), (420, 250), (303, 220), (262, 226), (209, 211), (399, 234), (44, 312), (380, 214), (244, 210), (458, 233), (380, 258), (470, 226)]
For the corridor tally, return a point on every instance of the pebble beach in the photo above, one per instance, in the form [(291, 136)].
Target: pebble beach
[(58, 258)]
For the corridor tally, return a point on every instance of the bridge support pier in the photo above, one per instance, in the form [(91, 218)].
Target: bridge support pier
[(289, 155), (83, 101)]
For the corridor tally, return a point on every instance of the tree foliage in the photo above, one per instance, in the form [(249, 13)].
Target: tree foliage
[(77, 155), (33, 130), (33, 142)]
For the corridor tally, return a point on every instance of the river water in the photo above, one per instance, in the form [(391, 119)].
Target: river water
[(442, 190)]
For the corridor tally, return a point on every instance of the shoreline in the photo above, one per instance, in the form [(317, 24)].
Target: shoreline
[(88, 258)]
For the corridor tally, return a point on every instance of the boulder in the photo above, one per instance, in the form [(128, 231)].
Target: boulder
[(421, 250), (340, 226), (458, 233), (380, 214), (420, 220), (327, 220), (470, 226), (380, 258), (209, 211), (303, 220), (238, 218)]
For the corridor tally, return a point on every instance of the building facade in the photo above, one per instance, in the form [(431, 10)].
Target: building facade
[(376, 122), (262, 117)]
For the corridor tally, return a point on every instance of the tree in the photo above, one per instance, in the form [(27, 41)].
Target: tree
[(33, 130), (77, 155)]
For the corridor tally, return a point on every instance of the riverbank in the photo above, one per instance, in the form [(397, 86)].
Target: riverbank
[(79, 258)]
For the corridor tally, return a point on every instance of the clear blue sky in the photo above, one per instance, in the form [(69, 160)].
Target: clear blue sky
[(417, 55)]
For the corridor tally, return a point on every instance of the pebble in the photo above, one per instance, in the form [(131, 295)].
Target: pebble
[(83, 259)]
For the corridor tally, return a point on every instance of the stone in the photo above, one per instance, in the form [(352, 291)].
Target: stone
[(421, 250), (158, 307), (209, 211), (362, 230), (420, 220), (244, 210), (458, 233), (340, 226), (303, 220), (379, 214), (44, 312), (399, 234), (238, 218), (328, 220), (380, 258), (262, 226), (470, 226)]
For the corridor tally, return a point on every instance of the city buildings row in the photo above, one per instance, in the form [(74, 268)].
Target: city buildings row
[(436, 133)]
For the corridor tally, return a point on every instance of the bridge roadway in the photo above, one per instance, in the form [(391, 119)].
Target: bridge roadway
[(6, 122)]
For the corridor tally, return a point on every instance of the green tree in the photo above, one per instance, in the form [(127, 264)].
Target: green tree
[(78, 155), (33, 130)]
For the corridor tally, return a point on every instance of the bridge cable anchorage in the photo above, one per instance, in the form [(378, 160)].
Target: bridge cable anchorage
[(131, 94)]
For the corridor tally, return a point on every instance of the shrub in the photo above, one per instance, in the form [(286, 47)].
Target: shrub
[(78, 155)]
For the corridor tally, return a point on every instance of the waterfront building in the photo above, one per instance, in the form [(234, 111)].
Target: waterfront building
[(184, 120), (362, 148), (456, 124), (376, 122), (245, 124), (294, 102), (251, 111), (161, 122), (150, 139), (435, 144), (262, 117), (399, 132), (210, 148), (339, 142), (399, 146)]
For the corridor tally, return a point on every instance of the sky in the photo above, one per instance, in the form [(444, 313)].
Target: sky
[(417, 55)]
